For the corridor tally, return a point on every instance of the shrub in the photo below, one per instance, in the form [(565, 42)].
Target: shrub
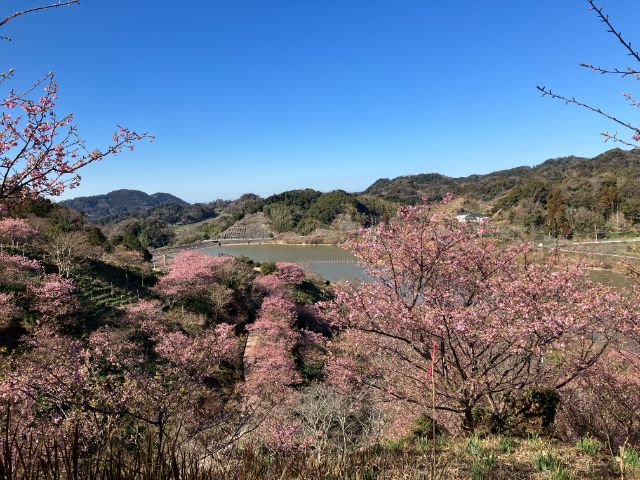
[(506, 444), (539, 405), (423, 427), (632, 457), (268, 268), (560, 473), (545, 461), (589, 445), (482, 466)]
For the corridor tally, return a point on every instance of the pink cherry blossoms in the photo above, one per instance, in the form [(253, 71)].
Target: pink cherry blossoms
[(53, 298), (501, 323), (16, 231), (40, 152)]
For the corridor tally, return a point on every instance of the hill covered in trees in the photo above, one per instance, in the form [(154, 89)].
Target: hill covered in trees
[(107, 364), (120, 202), (562, 197)]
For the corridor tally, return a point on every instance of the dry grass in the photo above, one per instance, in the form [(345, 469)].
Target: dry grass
[(491, 458)]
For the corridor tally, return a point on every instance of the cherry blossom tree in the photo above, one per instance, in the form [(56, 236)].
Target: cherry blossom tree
[(53, 298), (190, 275), (41, 152), (8, 309), (16, 231), (502, 324), (604, 403), (286, 276), (270, 369), (134, 371)]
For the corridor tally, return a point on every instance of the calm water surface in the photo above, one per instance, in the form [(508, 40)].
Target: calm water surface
[(333, 263)]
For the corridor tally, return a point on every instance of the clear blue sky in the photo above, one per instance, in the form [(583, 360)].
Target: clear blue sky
[(269, 95)]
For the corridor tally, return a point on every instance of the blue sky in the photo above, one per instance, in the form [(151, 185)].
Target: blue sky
[(269, 95)]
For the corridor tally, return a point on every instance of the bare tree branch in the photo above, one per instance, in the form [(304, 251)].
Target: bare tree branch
[(19, 13), (614, 71), (610, 28), (614, 137), (547, 92), (631, 100)]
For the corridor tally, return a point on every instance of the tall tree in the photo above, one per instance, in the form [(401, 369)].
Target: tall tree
[(502, 325)]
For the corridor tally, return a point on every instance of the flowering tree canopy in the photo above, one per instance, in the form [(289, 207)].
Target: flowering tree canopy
[(16, 230), (190, 273), (53, 297), (41, 152), (502, 324)]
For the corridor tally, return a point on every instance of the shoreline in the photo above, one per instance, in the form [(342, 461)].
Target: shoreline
[(207, 244)]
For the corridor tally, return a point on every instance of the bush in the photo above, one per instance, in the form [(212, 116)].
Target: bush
[(268, 268), (560, 473), (545, 461), (506, 444), (589, 445), (632, 457), (540, 403), (423, 427)]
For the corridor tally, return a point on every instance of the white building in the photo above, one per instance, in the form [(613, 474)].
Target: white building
[(465, 217)]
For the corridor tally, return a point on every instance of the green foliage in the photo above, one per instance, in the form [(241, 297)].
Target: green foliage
[(540, 403), (312, 370), (632, 457), (559, 473), (589, 445), (533, 190), (482, 466), (268, 268), (246, 260), (151, 233), (506, 444), (474, 445), (95, 236), (545, 461), (328, 206), (395, 445), (423, 427), (483, 461), (309, 292)]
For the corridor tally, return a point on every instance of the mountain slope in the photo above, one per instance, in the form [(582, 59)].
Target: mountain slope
[(121, 202), (560, 172)]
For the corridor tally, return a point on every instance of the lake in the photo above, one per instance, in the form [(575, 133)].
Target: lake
[(333, 263)]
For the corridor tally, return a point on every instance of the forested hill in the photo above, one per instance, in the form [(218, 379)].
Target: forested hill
[(571, 173), (564, 196), (120, 202)]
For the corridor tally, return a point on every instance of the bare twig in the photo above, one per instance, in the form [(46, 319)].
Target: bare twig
[(614, 71), (610, 28), (19, 13), (547, 92), (631, 99), (614, 137)]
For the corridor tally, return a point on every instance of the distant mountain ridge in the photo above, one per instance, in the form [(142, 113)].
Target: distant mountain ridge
[(121, 202), (561, 196), (569, 173)]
